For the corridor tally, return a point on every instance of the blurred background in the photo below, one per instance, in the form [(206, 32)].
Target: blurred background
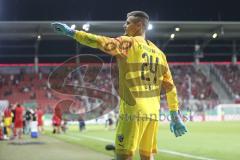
[(201, 41)]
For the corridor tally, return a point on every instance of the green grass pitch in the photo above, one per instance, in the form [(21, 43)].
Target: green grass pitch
[(213, 140), (204, 141)]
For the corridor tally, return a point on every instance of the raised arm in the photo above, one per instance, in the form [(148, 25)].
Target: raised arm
[(112, 46)]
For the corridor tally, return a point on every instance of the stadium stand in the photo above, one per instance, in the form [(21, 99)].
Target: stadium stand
[(231, 74), (25, 86)]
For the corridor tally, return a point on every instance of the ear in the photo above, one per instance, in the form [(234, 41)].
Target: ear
[(140, 24)]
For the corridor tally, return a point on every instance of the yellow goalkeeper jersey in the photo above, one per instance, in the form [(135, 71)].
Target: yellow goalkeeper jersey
[(143, 71)]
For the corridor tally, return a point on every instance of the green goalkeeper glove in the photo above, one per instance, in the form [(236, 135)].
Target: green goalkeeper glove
[(176, 125), (63, 29)]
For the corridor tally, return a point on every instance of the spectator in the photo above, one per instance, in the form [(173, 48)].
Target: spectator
[(81, 123), (8, 121), (40, 114), (56, 121), (28, 118), (18, 123)]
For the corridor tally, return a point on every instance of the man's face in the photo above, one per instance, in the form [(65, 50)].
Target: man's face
[(131, 27)]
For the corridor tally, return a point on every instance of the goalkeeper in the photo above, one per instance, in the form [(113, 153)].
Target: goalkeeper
[(143, 71)]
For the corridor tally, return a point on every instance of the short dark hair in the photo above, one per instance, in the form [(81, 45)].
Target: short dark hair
[(140, 16)]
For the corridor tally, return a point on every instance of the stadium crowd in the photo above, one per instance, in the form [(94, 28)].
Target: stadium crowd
[(21, 86), (24, 86), (231, 74)]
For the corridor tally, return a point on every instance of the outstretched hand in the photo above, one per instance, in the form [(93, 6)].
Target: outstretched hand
[(63, 29)]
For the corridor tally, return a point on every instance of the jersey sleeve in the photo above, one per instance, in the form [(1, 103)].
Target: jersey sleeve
[(113, 46), (170, 88)]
